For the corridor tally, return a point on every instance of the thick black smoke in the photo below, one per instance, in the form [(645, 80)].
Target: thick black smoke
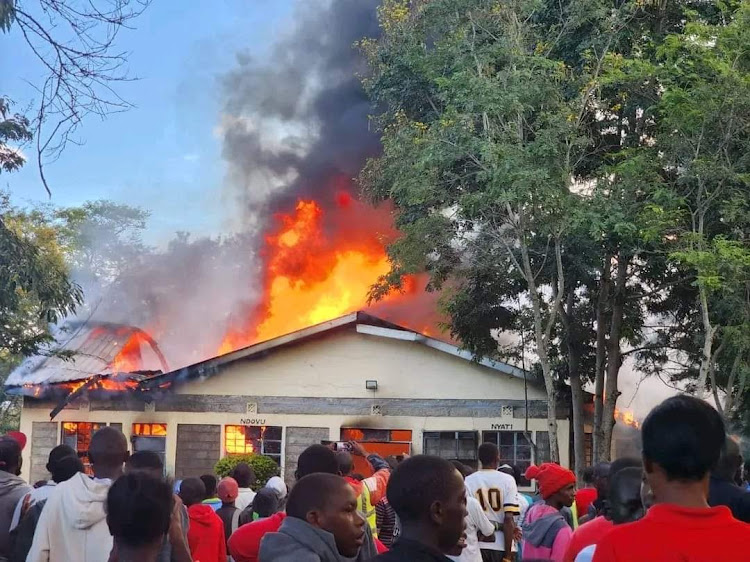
[(298, 123)]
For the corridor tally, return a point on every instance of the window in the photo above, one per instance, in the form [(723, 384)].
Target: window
[(542, 447), (384, 442), (244, 439), (78, 436), (452, 445), (515, 449), (150, 437)]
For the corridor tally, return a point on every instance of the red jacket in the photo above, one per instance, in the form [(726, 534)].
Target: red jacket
[(244, 543), (669, 533), (206, 534)]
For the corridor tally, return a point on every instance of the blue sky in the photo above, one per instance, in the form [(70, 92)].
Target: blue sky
[(162, 155)]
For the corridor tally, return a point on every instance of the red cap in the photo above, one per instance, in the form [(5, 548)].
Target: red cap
[(18, 436), (227, 490), (551, 477)]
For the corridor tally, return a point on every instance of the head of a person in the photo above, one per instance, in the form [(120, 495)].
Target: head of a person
[(316, 458), (588, 476), (139, 507), (463, 469), (511, 470), (601, 479), (682, 441), (108, 451), (266, 502), (557, 484), (395, 460), (428, 494), (276, 484), (624, 504), (488, 455), (145, 461), (345, 462), (730, 460), (327, 501), (192, 491), (209, 482), (243, 474), (63, 463), (227, 490), (10, 455)]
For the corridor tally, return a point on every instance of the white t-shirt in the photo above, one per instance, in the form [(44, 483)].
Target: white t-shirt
[(497, 494), (476, 521)]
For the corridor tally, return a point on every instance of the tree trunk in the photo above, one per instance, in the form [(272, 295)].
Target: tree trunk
[(709, 332), (542, 332), (614, 357), (576, 387), (601, 354)]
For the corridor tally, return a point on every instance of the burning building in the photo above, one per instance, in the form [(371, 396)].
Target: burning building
[(353, 377)]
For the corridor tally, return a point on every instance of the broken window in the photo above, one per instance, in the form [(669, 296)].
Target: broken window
[(259, 439)]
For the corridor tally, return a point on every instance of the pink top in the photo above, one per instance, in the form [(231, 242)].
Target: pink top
[(560, 544)]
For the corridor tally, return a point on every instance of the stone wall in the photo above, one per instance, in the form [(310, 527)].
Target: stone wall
[(43, 440), (198, 449), (297, 440)]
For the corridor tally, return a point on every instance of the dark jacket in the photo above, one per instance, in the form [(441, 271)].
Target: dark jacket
[(12, 489), (298, 541), (23, 535), (405, 550), (724, 492)]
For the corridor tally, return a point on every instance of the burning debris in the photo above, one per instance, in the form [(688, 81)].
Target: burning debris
[(93, 358)]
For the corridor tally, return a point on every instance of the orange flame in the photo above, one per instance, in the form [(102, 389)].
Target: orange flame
[(235, 440), (627, 417), (312, 276)]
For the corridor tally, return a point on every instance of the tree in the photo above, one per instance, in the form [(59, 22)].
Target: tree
[(75, 43)]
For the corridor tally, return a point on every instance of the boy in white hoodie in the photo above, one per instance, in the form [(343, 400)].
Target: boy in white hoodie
[(73, 523)]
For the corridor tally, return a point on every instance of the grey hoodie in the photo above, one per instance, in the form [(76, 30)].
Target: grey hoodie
[(298, 541), (12, 489)]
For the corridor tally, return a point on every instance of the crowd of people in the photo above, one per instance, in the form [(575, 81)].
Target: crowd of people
[(684, 500)]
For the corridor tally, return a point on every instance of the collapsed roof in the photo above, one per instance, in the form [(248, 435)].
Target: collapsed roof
[(84, 349)]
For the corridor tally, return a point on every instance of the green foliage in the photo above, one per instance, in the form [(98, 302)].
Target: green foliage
[(264, 467), (14, 128)]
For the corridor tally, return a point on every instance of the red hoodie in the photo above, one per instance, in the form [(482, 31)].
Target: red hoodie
[(244, 543), (206, 534)]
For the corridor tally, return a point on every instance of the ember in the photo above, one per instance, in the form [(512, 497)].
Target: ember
[(627, 417)]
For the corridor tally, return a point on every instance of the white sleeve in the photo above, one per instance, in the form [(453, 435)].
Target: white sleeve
[(482, 523), (40, 547), (17, 512)]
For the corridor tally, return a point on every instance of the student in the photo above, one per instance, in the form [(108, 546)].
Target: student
[(623, 504), (322, 523), (722, 488), (364, 494), (265, 504), (12, 488), (498, 495), (682, 441), (601, 483), (429, 496), (586, 495), (139, 509), (60, 469), (175, 546), (210, 482), (592, 532), (546, 533), (228, 491), (206, 532), (63, 465), (244, 475), (73, 523), (245, 543), (476, 524)]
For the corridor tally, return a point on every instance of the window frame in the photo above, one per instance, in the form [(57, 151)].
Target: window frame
[(262, 441)]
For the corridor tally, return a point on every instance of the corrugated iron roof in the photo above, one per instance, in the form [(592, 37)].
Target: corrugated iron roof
[(91, 346)]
